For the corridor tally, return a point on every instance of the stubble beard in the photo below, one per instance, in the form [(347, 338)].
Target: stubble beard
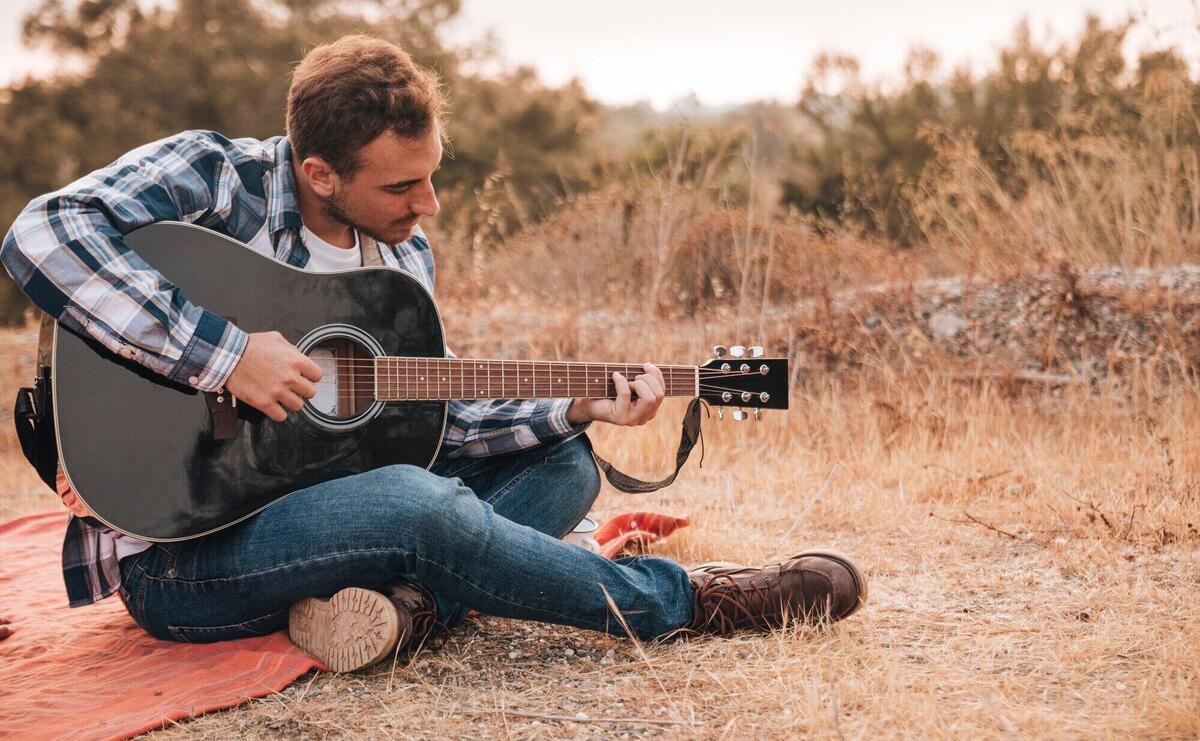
[(337, 208)]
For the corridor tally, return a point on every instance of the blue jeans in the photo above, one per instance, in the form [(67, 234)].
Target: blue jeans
[(477, 533)]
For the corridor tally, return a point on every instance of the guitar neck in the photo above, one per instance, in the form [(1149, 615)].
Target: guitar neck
[(443, 379)]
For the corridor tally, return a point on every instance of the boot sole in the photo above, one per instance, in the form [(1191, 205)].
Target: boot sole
[(353, 629)]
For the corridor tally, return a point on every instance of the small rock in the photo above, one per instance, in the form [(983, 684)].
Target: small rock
[(946, 325), (584, 716), (512, 654), (569, 652)]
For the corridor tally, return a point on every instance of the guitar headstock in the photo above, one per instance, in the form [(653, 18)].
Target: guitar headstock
[(741, 377)]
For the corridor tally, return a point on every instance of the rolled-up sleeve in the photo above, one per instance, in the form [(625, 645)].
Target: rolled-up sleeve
[(487, 427)]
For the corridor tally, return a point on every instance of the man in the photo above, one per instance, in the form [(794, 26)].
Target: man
[(360, 567)]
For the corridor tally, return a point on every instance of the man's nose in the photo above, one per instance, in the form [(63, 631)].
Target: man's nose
[(425, 202)]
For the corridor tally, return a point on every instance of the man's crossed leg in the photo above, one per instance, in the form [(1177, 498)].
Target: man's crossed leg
[(478, 534)]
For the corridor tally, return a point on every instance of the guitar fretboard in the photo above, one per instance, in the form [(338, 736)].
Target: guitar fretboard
[(443, 379)]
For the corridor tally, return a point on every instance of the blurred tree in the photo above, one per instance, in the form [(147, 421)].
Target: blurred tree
[(868, 145), (224, 65)]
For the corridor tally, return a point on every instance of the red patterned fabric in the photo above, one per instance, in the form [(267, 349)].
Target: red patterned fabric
[(635, 529)]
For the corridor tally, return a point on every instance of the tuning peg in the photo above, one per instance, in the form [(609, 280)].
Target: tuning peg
[(737, 351), (756, 351), (740, 414), (720, 412), (758, 415), (719, 351)]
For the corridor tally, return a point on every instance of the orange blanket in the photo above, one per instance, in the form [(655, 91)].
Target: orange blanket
[(91, 673)]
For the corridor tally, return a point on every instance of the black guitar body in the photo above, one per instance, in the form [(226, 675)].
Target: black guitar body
[(142, 451)]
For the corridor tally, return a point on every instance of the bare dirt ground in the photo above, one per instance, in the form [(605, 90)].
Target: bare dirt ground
[(1028, 518)]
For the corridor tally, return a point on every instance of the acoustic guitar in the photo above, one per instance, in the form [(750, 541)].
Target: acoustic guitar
[(163, 461)]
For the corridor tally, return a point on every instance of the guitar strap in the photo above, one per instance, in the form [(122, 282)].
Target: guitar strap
[(690, 435), (33, 412)]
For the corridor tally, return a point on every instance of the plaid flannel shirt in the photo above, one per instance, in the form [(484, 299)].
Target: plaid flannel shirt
[(67, 253)]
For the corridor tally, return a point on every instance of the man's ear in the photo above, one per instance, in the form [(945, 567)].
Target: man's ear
[(320, 176)]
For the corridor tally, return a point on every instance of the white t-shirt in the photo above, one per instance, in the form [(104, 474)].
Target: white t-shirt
[(323, 257)]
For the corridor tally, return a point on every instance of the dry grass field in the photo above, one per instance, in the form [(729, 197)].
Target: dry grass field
[(1032, 548), (1001, 422), (1001, 425)]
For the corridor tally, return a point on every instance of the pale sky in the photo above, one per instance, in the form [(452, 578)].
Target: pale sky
[(729, 52)]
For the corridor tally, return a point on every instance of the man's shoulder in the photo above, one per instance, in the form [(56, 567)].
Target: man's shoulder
[(199, 143)]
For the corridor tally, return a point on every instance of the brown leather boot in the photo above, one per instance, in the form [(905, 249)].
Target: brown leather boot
[(817, 585), (414, 599), (357, 628)]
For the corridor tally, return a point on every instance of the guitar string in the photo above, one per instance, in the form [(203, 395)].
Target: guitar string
[(567, 378), (674, 382), (680, 380), (371, 370), (676, 391), (409, 362), (409, 359), (497, 372), (396, 378), (522, 369)]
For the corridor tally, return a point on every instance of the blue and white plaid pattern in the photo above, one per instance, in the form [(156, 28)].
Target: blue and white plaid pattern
[(67, 253)]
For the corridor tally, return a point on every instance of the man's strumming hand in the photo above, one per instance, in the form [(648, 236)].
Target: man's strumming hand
[(624, 410), (273, 376)]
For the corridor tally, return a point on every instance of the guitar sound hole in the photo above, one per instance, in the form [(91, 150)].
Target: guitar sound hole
[(347, 385)]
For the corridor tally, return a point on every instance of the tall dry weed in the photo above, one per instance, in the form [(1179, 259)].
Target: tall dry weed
[(1087, 192)]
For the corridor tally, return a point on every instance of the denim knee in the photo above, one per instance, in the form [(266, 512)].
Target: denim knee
[(409, 498), (576, 456)]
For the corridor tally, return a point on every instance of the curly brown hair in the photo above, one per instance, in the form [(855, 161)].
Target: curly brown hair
[(345, 94)]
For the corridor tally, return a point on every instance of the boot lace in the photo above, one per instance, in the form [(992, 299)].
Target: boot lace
[(724, 604)]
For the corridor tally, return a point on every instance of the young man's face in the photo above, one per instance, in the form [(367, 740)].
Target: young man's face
[(392, 188)]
